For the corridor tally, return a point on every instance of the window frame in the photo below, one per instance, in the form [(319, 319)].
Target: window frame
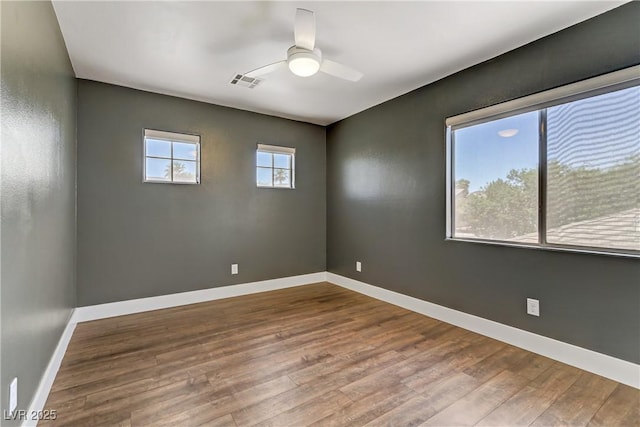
[(622, 79), (276, 149), (171, 137)]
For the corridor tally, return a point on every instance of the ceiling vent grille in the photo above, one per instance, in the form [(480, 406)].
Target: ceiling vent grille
[(242, 80)]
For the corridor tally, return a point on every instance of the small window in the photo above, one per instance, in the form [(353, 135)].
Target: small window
[(171, 157), (562, 173), (275, 166)]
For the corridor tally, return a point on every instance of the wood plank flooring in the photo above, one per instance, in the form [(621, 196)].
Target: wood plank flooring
[(317, 355)]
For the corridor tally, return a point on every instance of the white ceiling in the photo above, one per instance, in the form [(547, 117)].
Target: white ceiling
[(193, 49)]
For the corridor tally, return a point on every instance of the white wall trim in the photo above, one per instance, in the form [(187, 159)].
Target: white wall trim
[(44, 387), (598, 363), (120, 308)]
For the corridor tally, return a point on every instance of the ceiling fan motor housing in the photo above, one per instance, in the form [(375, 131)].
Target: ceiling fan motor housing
[(304, 62)]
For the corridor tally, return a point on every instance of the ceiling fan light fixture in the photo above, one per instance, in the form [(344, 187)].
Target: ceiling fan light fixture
[(304, 59), (304, 67), (303, 62)]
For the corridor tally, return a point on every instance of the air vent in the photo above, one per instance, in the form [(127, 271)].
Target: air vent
[(242, 80)]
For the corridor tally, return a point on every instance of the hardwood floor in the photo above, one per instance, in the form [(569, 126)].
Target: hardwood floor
[(317, 355)]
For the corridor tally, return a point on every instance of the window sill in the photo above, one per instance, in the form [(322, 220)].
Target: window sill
[(149, 181), (275, 188), (588, 251)]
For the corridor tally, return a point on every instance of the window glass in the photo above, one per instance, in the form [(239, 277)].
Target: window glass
[(275, 166), (264, 159), (185, 151), (593, 152), (281, 178), (265, 177), (184, 171), (282, 161), (496, 179), (158, 169), (171, 157), (158, 148)]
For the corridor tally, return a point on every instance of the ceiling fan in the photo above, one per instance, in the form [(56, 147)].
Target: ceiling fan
[(303, 58)]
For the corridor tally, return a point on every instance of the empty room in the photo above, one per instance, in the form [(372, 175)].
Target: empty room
[(350, 213)]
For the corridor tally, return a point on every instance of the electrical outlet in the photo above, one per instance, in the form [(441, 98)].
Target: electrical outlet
[(234, 268), (13, 395), (533, 307), (358, 266)]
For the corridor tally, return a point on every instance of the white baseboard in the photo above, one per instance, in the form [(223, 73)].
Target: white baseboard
[(598, 363), (44, 387), (120, 308)]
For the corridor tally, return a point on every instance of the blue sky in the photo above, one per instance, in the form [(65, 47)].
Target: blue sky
[(482, 155)]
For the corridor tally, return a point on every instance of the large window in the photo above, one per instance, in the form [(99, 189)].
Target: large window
[(275, 166), (171, 157), (558, 173)]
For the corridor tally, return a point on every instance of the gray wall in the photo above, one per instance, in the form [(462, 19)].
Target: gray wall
[(38, 193), (386, 200), (139, 240)]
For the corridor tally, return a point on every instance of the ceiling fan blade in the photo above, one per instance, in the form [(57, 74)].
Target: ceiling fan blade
[(266, 69), (341, 71), (305, 29)]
